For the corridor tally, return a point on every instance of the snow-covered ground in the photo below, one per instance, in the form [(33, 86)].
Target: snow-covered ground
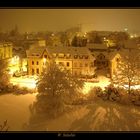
[(103, 82), (15, 109), (31, 83), (100, 115), (24, 81)]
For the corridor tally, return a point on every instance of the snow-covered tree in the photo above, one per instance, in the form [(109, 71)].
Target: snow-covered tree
[(127, 73), (57, 87)]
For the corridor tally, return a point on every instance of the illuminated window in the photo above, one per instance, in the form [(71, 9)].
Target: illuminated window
[(37, 63), (33, 71), (32, 62), (68, 64), (81, 65), (37, 71)]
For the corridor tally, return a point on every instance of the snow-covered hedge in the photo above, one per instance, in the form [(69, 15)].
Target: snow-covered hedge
[(15, 89), (115, 94)]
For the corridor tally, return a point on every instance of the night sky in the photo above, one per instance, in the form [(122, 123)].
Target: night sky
[(29, 20)]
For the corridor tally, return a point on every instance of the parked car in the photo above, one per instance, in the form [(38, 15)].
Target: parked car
[(19, 74)]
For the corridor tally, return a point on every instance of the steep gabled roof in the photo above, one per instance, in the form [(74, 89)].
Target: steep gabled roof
[(35, 51)]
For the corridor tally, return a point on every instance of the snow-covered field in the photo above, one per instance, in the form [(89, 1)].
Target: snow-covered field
[(100, 115), (24, 81), (15, 109)]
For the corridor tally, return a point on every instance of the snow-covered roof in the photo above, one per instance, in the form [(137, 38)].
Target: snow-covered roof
[(37, 51), (5, 44), (97, 46), (131, 44), (69, 50)]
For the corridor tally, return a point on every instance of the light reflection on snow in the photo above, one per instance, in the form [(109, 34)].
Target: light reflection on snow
[(28, 82), (103, 82)]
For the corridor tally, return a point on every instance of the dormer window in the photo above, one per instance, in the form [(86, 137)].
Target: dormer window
[(61, 55), (81, 57), (75, 56), (54, 55), (86, 57), (67, 55)]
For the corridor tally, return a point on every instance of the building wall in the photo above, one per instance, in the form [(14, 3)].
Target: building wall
[(5, 50), (37, 64), (66, 63), (34, 64), (83, 67), (113, 63)]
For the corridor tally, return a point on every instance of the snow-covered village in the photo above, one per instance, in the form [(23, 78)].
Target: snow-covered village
[(69, 70)]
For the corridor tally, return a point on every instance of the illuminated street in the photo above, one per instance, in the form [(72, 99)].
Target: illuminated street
[(29, 81), (24, 81)]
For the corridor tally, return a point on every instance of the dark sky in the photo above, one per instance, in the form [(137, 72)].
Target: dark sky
[(61, 19)]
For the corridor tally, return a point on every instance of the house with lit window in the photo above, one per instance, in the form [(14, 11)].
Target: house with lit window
[(83, 61), (105, 58), (6, 53), (77, 60), (5, 50), (37, 59)]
